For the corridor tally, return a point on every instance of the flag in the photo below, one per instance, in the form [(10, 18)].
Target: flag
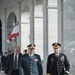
[(14, 33)]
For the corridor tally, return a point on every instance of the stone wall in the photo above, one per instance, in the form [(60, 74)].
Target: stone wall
[(69, 32)]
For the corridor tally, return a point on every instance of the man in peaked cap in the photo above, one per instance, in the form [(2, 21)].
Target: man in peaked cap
[(31, 46), (56, 45), (57, 63), (31, 62)]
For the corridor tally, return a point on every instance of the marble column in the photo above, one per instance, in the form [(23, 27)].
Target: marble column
[(60, 22), (19, 40), (32, 21), (4, 30), (45, 33)]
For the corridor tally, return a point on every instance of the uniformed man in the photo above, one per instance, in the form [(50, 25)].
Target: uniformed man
[(31, 62), (57, 63)]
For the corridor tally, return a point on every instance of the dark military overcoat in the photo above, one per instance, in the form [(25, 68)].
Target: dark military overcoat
[(57, 65)]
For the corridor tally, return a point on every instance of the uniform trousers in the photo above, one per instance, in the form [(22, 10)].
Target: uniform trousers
[(15, 72)]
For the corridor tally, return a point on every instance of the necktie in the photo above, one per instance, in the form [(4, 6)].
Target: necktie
[(30, 57), (57, 57), (15, 62)]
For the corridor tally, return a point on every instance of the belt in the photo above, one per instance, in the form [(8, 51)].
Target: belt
[(15, 70)]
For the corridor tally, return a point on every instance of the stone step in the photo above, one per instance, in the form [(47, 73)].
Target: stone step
[(2, 73)]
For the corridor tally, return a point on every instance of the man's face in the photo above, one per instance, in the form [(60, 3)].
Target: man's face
[(17, 49), (57, 50), (31, 50)]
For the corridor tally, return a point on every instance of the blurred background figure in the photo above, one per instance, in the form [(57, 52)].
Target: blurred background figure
[(10, 52), (0, 61), (25, 51), (5, 59), (5, 54)]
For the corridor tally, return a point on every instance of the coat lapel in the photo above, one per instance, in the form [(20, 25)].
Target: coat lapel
[(27, 56), (19, 55)]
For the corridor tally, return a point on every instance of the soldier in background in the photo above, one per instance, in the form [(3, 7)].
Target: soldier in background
[(25, 51), (57, 63), (31, 62), (5, 59), (10, 52), (0, 61)]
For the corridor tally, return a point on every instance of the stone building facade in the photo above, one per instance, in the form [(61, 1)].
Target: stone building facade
[(41, 22)]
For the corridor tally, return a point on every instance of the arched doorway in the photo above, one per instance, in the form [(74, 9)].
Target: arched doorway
[(11, 21), (0, 36)]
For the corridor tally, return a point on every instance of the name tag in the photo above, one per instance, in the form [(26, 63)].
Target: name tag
[(35, 60)]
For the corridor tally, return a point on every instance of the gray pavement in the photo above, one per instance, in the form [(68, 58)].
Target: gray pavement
[(2, 73)]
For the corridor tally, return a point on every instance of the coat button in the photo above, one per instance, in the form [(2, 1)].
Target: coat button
[(57, 64)]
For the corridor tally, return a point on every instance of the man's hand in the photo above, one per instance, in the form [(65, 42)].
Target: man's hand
[(66, 73)]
